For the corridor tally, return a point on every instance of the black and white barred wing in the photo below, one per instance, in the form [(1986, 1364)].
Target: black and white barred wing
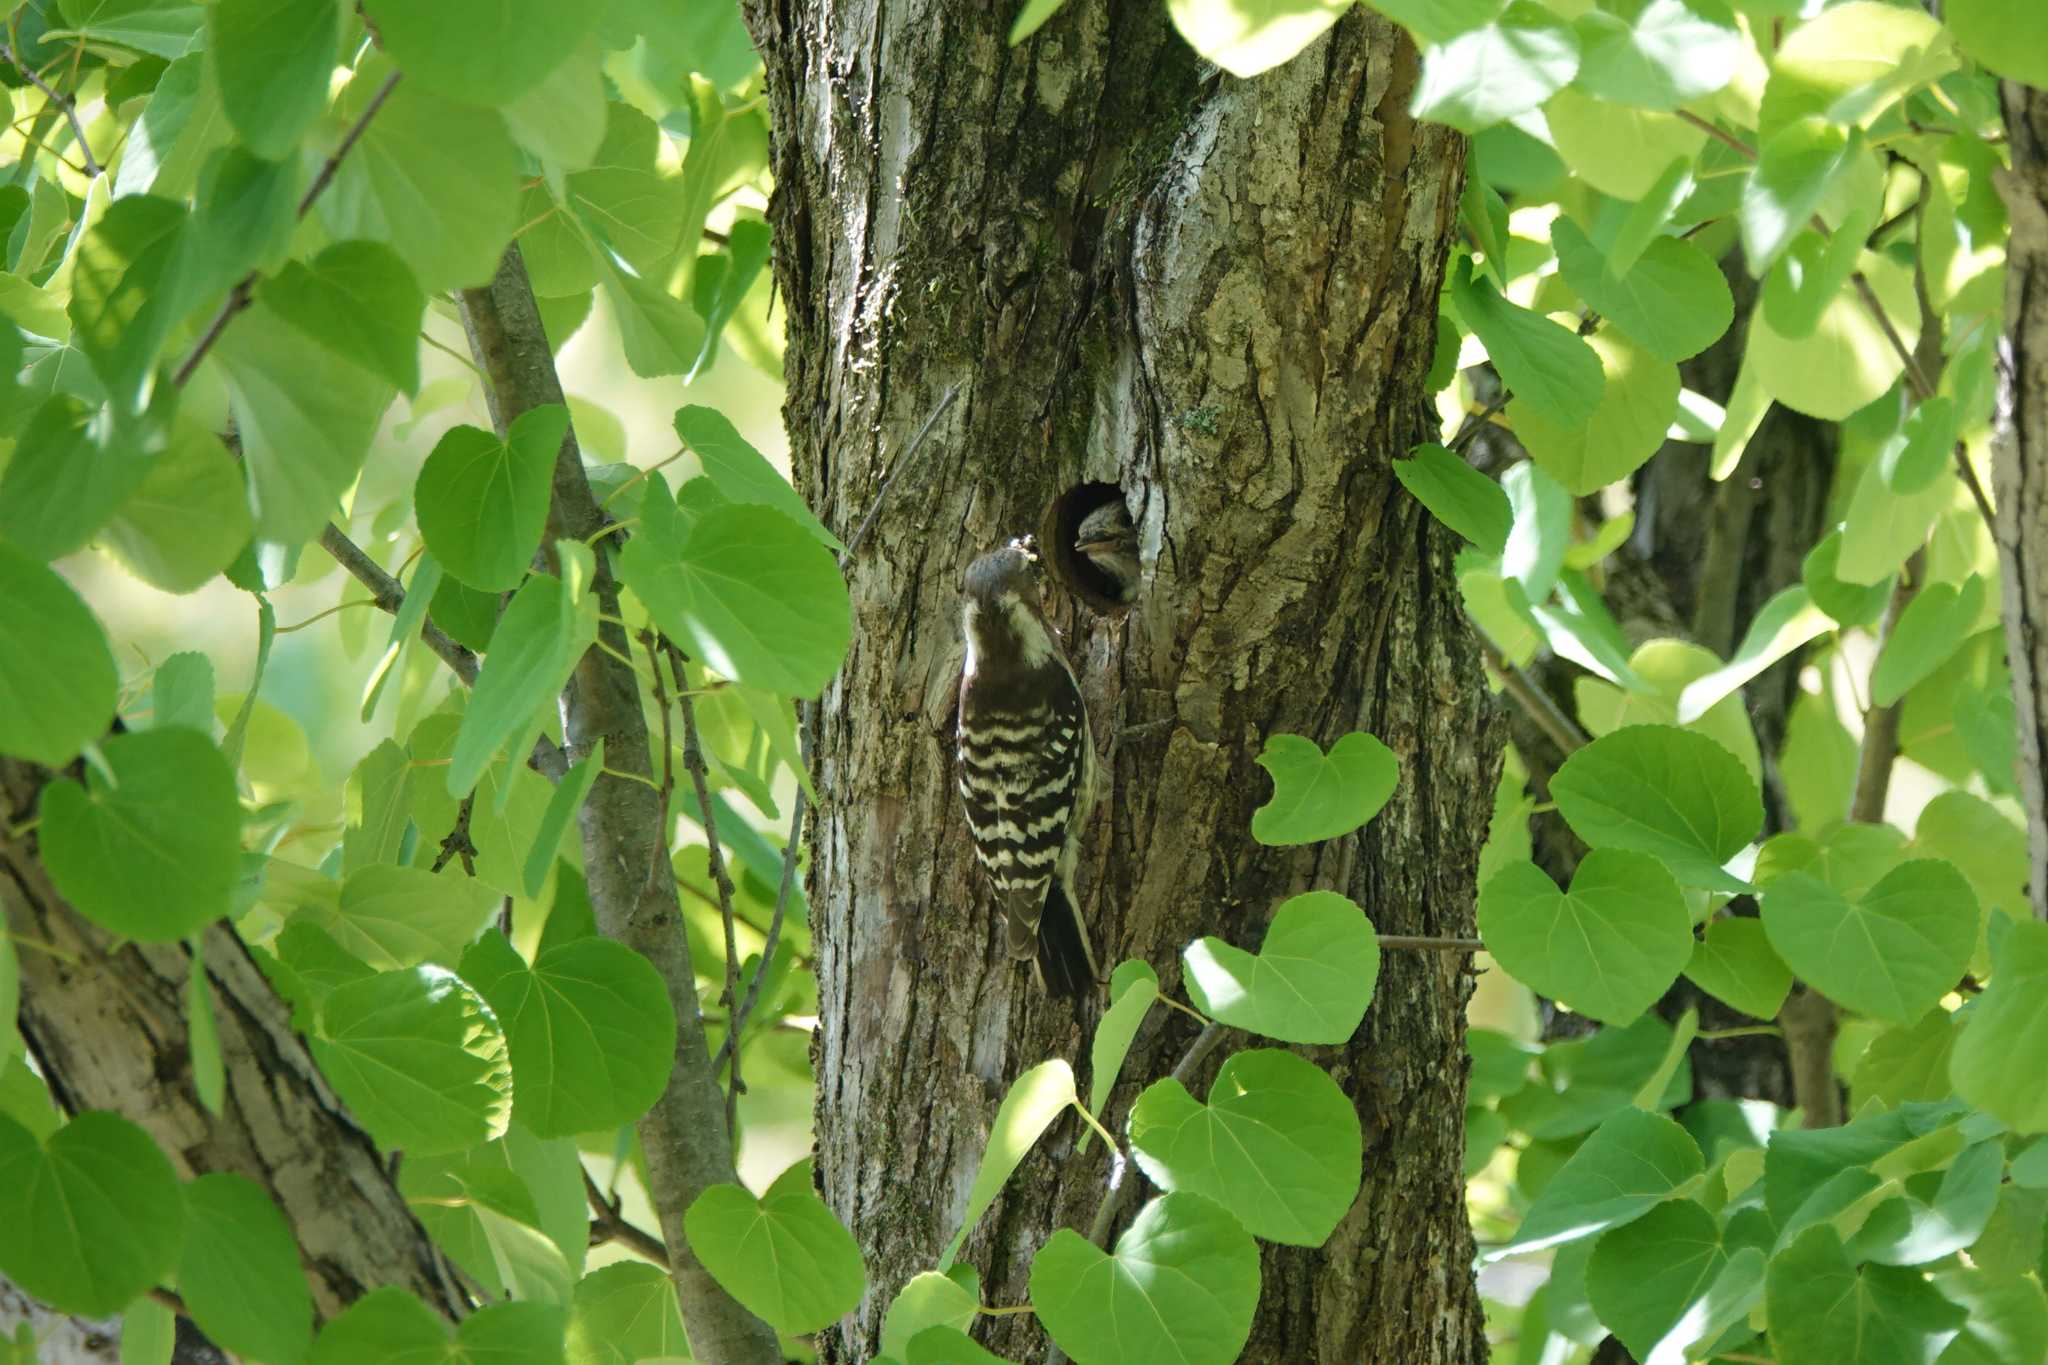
[(1021, 773)]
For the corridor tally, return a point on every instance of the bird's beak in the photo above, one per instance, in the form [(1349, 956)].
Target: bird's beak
[(1101, 543)]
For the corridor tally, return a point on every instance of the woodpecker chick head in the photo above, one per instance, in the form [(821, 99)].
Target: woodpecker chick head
[(1108, 543)]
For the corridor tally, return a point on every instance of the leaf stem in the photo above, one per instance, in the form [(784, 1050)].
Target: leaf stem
[(323, 615), (1100, 1131)]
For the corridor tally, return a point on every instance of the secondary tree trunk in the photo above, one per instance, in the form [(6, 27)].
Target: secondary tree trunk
[(107, 1024), (2020, 467), (1220, 296)]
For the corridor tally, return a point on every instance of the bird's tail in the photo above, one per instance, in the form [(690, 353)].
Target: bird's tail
[(1066, 962)]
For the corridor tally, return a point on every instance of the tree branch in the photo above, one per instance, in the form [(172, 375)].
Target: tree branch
[(64, 102), (244, 292), (714, 858), (389, 595), (737, 1021), (610, 1226), (1809, 1018), (684, 1136), (1533, 700)]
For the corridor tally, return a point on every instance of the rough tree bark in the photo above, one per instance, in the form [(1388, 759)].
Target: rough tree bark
[(1219, 295), (107, 1026), (2020, 460)]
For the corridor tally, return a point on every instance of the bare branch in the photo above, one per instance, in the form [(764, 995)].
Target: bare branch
[(737, 1021), (609, 1226), (902, 462), (693, 764), (347, 143), (244, 292), (62, 101), (1563, 731)]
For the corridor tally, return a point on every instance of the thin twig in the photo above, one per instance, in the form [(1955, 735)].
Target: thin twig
[(244, 292), (902, 461), (1915, 378), (608, 1226), (693, 764), (1563, 731), (1810, 1019), (1474, 423), (456, 843), (62, 101), (347, 143), (388, 594), (1429, 943), (1969, 477), (737, 1020), (662, 866), (240, 297)]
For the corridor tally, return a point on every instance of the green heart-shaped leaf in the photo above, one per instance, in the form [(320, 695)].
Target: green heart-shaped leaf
[(625, 1312), (153, 854), (94, 1215), (784, 1257), (389, 1324), (590, 1028), (1820, 1302), (239, 1272), (1458, 495), (1656, 789), (747, 591), (928, 1300), (1182, 1286), (482, 503), (1633, 1162), (1133, 987), (58, 683), (1609, 947), (1891, 952), (1309, 982), (1278, 1144), (2000, 1058), (1320, 797), (1736, 964), (1645, 1277), (419, 1057)]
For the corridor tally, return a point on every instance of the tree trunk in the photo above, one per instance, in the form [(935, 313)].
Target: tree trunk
[(2020, 460), (106, 1023), (1220, 296)]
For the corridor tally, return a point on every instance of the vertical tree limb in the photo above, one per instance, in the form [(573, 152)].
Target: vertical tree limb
[(2020, 460), (624, 845)]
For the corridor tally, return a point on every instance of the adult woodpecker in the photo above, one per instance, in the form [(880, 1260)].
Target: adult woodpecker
[(1109, 543), (1027, 765)]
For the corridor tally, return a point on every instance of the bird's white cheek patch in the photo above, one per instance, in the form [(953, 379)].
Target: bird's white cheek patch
[(1035, 645)]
